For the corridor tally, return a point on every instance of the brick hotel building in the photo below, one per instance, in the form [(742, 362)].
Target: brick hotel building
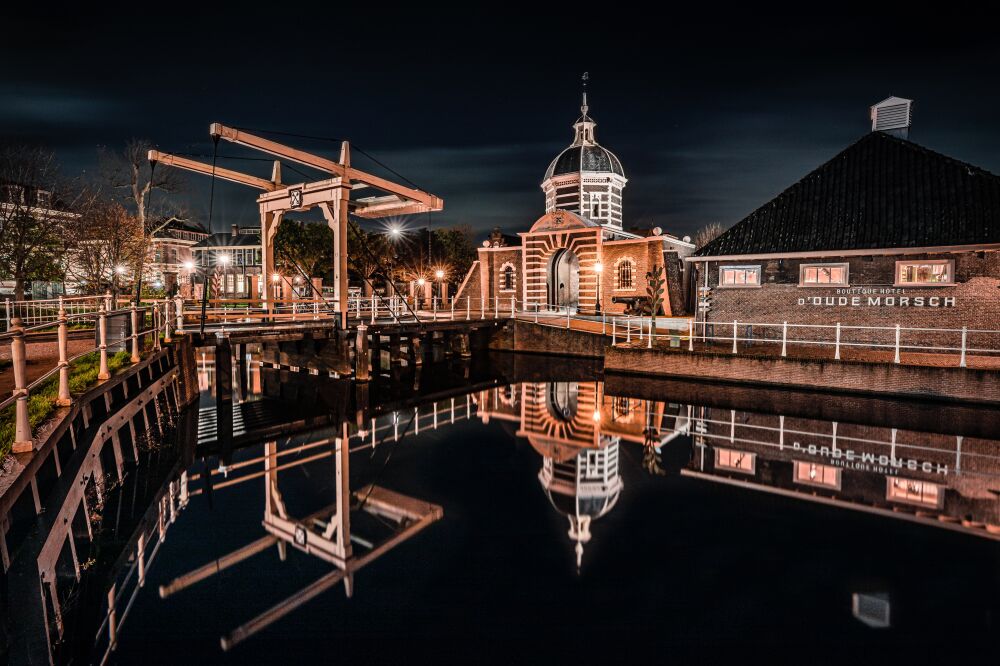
[(887, 232)]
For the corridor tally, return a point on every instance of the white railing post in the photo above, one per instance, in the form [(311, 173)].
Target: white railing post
[(567, 316), (496, 306), (513, 307), (315, 310), (734, 336), (357, 301), (102, 331), (628, 331), (468, 308), (691, 334), (649, 338), (135, 334), (604, 323), (614, 331), (453, 309), (374, 307), (434, 307), (482, 308), (64, 398), (22, 426), (961, 361), (8, 315), (784, 339), (836, 353), (896, 360), (536, 313), (166, 321)]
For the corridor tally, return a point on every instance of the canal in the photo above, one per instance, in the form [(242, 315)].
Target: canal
[(533, 510)]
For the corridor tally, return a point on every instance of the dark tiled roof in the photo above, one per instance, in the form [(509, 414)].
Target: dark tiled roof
[(881, 192), (228, 240), (595, 158)]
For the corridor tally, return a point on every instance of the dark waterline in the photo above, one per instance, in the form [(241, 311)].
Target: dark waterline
[(679, 567)]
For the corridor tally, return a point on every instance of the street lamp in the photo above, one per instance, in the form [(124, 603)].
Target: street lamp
[(224, 260), (598, 268), (439, 274), (420, 292)]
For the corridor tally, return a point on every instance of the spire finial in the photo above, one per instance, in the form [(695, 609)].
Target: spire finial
[(584, 79)]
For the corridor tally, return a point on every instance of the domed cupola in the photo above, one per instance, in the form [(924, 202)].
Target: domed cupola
[(586, 178)]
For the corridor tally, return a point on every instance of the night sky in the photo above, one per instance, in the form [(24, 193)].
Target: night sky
[(711, 115)]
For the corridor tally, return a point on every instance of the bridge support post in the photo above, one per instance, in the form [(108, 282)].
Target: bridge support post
[(224, 396), (394, 351), (376, 352), (361, 354), (416, 355)]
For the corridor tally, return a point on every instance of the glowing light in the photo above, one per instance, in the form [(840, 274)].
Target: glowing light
[(120, 270), (598, 267), (597, 415), (275, 278), (421, 282), (298, 279), (439, 273), (395, 231), (223, 259), (189, 265)]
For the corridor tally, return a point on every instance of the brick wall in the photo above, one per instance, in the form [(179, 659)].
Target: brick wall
[(472, 286), (979, 386), (644, 255), (524, 336), (492, 262), (976, 303)]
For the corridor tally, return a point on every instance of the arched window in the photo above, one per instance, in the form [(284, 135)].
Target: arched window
[(625, 274), (508, 280)]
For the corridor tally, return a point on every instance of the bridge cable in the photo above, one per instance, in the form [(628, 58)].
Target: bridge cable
[(211, 206)]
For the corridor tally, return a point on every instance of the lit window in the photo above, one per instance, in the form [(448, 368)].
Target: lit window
[(737, 461), (923, 493), (739, 276), (625, 274), (937, 271), (817, 475), (823, 274)]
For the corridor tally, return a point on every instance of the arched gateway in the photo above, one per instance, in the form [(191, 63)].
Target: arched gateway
[(564, 279)]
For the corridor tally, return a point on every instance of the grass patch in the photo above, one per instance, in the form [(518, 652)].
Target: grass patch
[(42, 401)]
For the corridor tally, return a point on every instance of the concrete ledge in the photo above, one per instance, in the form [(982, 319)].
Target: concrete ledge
[(937, 383)]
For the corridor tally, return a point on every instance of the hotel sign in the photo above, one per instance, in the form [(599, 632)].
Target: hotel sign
[(878, 297)]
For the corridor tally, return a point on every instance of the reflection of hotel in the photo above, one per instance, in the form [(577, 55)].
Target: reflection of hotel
[(940, 479), (578, 431)]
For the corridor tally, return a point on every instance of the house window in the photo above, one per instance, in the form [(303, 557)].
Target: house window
[(508, 280), (739, 276), (933, 271), (737, 461), (240, 283), (822, 275), (921, 493), (812, 474), (625, 274)]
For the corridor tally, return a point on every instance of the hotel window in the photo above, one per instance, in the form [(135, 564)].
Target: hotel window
[(921, 493), (823, 275), (736, 461), (739, 276), (928, 271), (812, 474), (625, 274)]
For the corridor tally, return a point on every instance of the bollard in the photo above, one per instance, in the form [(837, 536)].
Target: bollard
[(734, 336), (135, 334), (361, 354), (961, 361), (784, 339), (836, 353), (64, 399), (166, 321), (468, 308), (22, 426), (102, 329)]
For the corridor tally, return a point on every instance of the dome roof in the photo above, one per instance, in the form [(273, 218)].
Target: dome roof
[(578, 158), (595, 507)]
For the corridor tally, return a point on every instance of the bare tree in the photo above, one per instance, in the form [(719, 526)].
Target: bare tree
[(133, 182), (707, 234), (107, 237), (35, 209)]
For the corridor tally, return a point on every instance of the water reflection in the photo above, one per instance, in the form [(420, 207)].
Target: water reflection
[(344, 476)]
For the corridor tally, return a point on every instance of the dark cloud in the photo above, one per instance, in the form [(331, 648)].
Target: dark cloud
[(711, 115)]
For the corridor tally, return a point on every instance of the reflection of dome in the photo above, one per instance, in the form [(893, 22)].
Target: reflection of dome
[(583, 488)]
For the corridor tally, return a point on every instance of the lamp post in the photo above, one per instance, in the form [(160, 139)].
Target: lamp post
[(189, 267), (598, 269), (439, 274), (420, 283), (224, 260)]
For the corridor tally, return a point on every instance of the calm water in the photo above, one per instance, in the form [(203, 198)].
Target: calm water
[(560, 519)]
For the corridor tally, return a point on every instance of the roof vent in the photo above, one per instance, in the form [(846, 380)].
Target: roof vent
[(893, 115)]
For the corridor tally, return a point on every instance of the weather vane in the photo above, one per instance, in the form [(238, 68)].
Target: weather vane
[(584, 79)]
